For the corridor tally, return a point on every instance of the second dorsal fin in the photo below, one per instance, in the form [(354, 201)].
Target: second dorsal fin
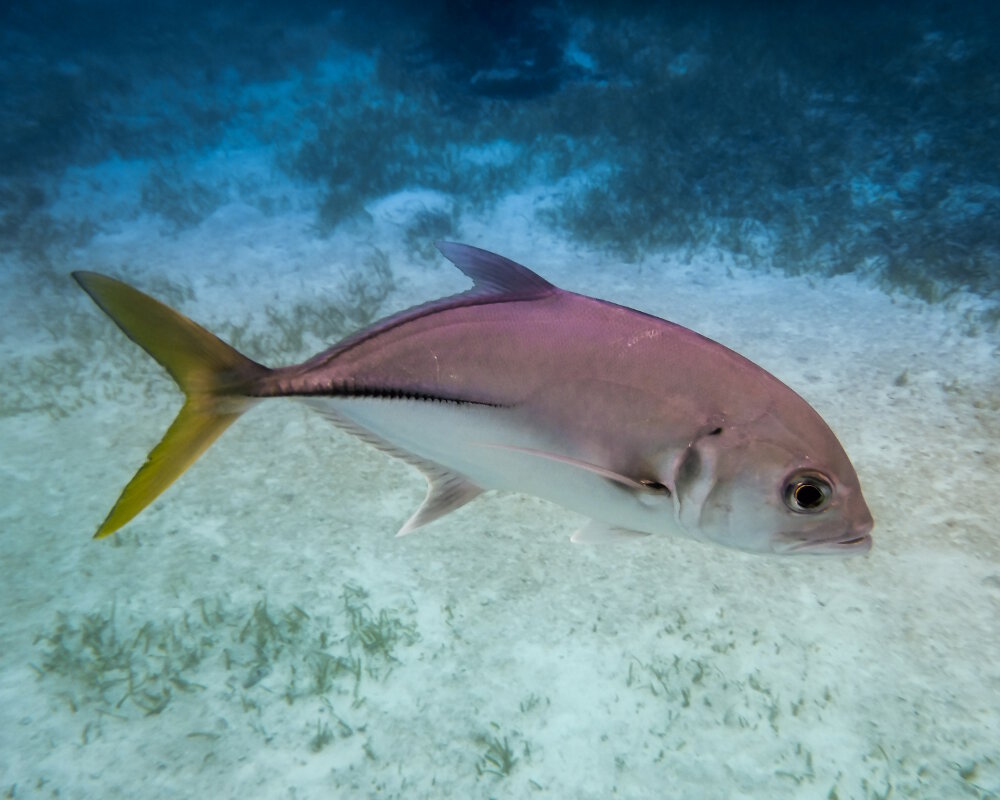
[(497, 280), (493, 274)]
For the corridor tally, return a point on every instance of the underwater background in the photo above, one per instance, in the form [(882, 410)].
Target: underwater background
[(816, 185)]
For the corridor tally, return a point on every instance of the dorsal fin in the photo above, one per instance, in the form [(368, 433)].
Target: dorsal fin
[(493, 274), (497, 280)]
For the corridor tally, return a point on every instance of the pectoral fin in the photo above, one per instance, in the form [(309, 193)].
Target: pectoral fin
[(643, 487)]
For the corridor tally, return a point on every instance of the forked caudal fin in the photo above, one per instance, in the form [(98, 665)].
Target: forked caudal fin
[(213, 376)]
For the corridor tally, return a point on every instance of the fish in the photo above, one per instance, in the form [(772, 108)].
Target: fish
[(643, 426)]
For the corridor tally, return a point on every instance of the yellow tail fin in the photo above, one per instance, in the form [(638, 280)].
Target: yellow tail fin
[(213, 375)]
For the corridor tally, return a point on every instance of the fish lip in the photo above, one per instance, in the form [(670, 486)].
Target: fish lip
[(855, 543)]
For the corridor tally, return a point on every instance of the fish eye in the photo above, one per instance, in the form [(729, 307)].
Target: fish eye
[(808, 493)]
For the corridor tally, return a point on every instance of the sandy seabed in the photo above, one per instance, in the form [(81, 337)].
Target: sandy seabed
[(259, 632)]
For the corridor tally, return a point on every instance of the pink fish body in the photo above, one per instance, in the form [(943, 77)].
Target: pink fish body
[(642, 425)]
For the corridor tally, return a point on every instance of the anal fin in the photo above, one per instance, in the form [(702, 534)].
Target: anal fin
[(446, 491)]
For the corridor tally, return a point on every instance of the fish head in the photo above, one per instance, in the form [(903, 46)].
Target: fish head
[(772, 485)]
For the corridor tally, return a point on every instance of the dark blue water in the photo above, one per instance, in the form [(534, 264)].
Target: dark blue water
[(859, 136)]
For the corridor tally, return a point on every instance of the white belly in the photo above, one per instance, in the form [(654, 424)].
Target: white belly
[(476, 441)]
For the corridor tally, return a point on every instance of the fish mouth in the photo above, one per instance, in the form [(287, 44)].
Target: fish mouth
[(854, 543)]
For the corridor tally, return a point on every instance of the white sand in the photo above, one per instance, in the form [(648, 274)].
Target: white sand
[(653, 669)]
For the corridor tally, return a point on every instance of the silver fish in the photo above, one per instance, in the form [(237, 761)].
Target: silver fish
[(642, 425)]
